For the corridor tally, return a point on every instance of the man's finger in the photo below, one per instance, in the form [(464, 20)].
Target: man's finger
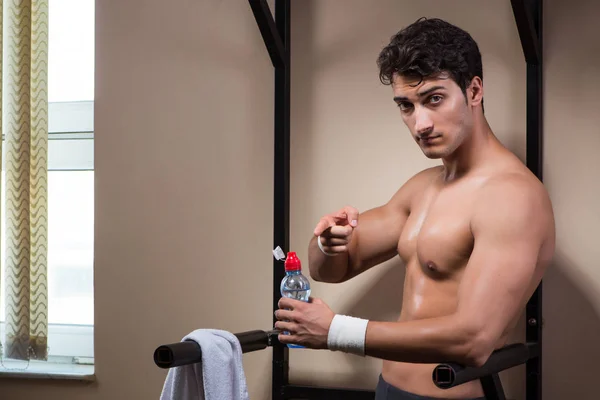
[(315, 300), (284, 315), (336, 249), (287, 303), (286, 326), (351, 215), (340, 231), (334, 241), (325, 223), (287, 339)]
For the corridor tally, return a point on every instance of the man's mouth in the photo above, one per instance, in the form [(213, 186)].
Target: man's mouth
[(429, 139)]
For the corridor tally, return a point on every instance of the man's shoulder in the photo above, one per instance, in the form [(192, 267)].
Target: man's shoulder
[(416, 184), (425, 177), (514, 197), (513, 184)]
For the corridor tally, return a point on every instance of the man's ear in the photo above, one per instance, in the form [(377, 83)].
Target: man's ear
[(475, 91)]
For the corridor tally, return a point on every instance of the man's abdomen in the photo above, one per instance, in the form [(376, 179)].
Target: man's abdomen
[(426, 297)]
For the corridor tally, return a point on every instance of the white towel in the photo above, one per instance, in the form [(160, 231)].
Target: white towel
[(220, 375)]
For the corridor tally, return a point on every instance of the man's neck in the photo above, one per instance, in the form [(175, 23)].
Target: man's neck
[(472, 153)]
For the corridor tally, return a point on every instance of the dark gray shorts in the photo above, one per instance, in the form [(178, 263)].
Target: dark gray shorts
[(385, 391)]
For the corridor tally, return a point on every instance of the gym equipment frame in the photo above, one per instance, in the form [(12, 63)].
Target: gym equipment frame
[(276, 35)]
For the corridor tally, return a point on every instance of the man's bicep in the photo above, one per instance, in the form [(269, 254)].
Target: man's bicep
[(379, 229), (375, 239), (508, 234), (378, 232), (495, 282)]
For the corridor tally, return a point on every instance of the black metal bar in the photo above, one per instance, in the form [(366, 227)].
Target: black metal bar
[(298, 392), (534, 100), (533, 332), (271, 36), (177, 354), (492, 388), (448, 375), (189, 352), (281, 179), (527, 31), (535, 145)]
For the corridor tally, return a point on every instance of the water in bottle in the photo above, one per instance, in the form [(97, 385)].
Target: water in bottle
[(294, 285)]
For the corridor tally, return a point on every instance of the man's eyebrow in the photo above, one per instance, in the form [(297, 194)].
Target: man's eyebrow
[(422, 94)]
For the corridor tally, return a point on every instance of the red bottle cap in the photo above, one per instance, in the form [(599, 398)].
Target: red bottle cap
[(292, 262)]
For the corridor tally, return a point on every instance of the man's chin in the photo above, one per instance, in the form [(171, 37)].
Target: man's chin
[(433, 155)]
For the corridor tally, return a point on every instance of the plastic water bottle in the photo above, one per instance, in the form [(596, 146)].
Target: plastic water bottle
[(294, 285)]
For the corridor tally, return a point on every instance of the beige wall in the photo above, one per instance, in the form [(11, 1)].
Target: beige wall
[(184, 177), (183, 151), (572, 126)]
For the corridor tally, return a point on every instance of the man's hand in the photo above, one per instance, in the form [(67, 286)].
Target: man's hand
[(336, 229), (307, 323)]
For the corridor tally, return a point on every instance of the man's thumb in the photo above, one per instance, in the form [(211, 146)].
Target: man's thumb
[(352, 214)]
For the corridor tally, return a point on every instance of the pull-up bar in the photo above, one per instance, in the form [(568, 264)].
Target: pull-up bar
[(449, 375), (445, 375), (276, 35), (189, 352)]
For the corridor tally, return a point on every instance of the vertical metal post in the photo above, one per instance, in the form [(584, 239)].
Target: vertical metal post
[(535, 163), (281, 185), (492, 387)]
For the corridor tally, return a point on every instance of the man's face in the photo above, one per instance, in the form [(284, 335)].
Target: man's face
[(435, 111)]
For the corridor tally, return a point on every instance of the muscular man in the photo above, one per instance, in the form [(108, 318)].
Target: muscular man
[(475, 233)]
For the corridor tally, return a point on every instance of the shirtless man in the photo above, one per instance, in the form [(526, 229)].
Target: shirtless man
[(475, 233)]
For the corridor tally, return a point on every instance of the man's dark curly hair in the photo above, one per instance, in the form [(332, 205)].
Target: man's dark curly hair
[(429, 47)]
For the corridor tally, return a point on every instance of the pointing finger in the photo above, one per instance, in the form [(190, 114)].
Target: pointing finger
[(324, 223)]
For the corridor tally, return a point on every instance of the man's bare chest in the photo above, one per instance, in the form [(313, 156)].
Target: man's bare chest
[(437, 232)]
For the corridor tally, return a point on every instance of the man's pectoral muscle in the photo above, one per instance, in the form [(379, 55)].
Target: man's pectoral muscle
[(511, 224)]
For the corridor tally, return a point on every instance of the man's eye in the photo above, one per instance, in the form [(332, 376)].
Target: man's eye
[(403, 106), (435, 98)]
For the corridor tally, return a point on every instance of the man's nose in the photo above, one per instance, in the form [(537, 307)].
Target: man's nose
[(423, 123)]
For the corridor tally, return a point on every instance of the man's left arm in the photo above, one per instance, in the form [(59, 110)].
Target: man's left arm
[(511, 221)]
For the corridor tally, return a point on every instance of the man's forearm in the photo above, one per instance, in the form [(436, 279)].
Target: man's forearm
[(324, 268), (433, 340)]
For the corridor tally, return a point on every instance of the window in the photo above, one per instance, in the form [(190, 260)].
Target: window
[(70, 185)]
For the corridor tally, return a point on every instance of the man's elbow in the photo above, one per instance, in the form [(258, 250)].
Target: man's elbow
[(314, 275), (318, 276), (478, 350), (477, 343)]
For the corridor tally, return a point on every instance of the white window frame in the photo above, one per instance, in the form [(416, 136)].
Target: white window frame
[(71, 347)]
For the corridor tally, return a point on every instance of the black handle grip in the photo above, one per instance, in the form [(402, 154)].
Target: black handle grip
[(448, 375), (189, 352)]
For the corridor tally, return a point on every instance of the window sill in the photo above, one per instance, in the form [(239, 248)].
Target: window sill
[(46, 370)]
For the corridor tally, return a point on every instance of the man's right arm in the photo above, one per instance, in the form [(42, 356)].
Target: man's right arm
[(372, 241)]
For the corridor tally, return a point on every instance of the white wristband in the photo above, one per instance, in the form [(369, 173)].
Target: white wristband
[(322, 249), (347, 334)]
